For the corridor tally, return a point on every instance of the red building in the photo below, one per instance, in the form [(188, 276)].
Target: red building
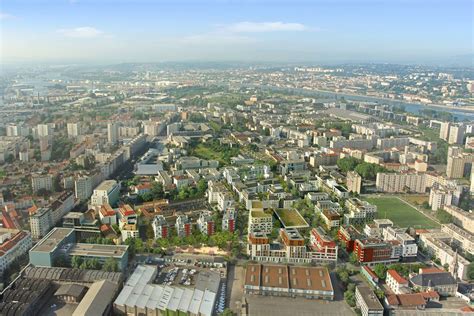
[(375, 250), (348, 235)]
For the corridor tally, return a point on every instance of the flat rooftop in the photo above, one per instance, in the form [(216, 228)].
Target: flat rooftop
[(288, 277), (369, 298), (106, 185), (52, 239), (96, 250)]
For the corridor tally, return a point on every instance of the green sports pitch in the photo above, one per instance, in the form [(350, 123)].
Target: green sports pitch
[(400, 213)]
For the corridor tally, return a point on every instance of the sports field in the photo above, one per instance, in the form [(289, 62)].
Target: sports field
[(400, 213)]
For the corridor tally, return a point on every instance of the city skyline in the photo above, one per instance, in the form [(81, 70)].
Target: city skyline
[(422, 32)]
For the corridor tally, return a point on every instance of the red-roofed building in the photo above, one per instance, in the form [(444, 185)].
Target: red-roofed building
[(396, 282), (107, 215), (414, 301), (127, 215), (142, 188), (13, 244)]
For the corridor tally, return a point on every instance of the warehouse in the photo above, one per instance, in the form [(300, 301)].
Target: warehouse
[(293, 281), (140, 297)]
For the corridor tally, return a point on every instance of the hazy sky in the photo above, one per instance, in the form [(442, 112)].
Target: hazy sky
[(418, 31)]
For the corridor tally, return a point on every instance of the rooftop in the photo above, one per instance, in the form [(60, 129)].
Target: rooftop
[(97, 250), (52, 239)]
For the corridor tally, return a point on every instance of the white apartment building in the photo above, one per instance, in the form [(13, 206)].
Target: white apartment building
[(408, 243), (112, 133), (401, 182), (461, 218), (397, 283), (41, 222), (440, 197), (73, 130), (106, 193), (259, 221), (83, 187), (354, 182), (42, 181), (461, 237), (13, 244), (160, 227), (44, 130), (205, 223)]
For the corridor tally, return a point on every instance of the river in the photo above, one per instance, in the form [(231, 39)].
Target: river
[(458, 114)]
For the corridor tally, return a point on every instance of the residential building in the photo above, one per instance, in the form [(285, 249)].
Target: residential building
[(83, 186), (228, 220), (461, 218), (373, 251), (42, 182), (354, 182), (444, 130), (13, 244), (160, 227), (129, 231), (106, 193), (73, 130), (107, 215), (456, 134), (291, 250), (459, 165), (407, 242), (360, 212), (44, 130), (41, 222), (183, 226), (322, 245), (348, 236), (331, 218), (397, 283), (460, 237), (260, 221), (401, 182), (206, 223), (112, 133), (367, 302), (291, 281), (440, 197)]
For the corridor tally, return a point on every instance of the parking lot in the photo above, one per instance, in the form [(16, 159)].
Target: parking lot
[(283, 306)]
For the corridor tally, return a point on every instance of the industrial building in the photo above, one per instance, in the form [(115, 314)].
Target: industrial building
[(292, 281), (140, 297)]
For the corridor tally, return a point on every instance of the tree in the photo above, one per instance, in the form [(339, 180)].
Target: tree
[(227, 312), (353, 258), (110, 265), (349, 297), (76, 262), (470, 271), (380, 270), (348, 163)]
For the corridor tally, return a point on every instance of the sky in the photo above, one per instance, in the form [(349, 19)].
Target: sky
[(319, 31)]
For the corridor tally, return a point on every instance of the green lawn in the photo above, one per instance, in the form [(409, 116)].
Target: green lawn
[(291, 218), (400, 213)]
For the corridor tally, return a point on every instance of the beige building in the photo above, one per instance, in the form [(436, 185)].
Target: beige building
[(461, 218), (42, 181), (401, 182), (457, 164), (456, 134), (440, 197), (354, 182)]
